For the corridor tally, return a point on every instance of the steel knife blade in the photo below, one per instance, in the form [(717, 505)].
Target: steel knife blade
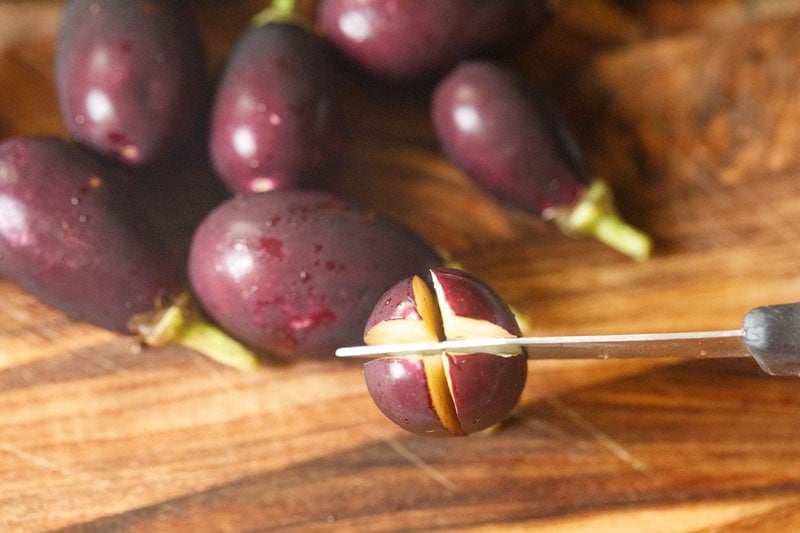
[(770, 334), (722, 343)]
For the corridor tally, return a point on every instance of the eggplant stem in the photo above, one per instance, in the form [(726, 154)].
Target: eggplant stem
[(281, 11), (180, 323), (596, 215)]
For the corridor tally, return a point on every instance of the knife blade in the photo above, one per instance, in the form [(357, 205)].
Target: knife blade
[(769, 334), (723, 343)]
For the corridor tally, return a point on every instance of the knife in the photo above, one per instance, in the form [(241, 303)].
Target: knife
[(769, 334)]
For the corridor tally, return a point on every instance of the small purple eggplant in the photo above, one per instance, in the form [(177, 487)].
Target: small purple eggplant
[(295, 273), (417, 39), (130, 76), (71, 235), (513, 144), (272, 123)]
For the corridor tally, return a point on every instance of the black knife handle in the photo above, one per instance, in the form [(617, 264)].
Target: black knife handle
[(772, 336)]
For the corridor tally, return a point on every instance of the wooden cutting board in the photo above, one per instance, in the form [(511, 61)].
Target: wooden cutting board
[(690, 110)]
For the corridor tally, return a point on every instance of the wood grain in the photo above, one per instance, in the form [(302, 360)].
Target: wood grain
[(688, 108)]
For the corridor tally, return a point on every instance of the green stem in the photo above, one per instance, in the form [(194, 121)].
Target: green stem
[(215, 344), (595, 215), (180, 323), (278, 11)]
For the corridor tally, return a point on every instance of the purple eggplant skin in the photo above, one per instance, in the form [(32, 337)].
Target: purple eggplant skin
[(507, 137), (70, 235), (273, 116), (296, 273), (400, 389), (130, 76), (416, 39)]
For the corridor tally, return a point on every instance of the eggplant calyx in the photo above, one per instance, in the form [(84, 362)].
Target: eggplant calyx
[(595, 215), (282, 11), (179, 322)]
